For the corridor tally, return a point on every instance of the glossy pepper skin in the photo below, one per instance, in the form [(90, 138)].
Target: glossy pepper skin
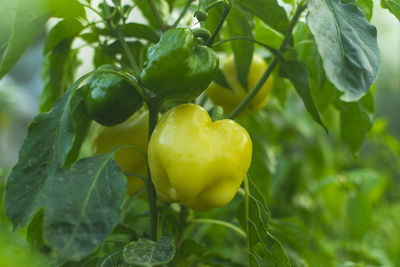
[(197, 162), (109, 99), (133, 131), (178, 68), (229, 99)]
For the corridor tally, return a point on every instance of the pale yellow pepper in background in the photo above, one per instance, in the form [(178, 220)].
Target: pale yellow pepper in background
[(134, 131), (197, 162), (229, 99)]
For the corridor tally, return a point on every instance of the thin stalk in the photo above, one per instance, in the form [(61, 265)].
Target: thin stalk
[(185, 9), (157, 15), (151, 192), (227, 8), (271, 65), (222, 223), (127, 51), (246, 211)]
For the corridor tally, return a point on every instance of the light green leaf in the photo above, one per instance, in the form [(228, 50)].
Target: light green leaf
[(145, 252), (269, 11), (393, 6), (241, 25), (82, 205), (347, 44), (66, 9), (65, 29)]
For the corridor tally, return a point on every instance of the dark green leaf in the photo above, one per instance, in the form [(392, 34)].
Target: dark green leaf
[(214, 14), (355, 123), (241, 25), (347, 45), (65, 29), (393, 6), (141, 31), (53, 139), (145, 252), (269, 11), (90, 37), (57, 73), (113, 259), (34, 233), (144, 7), (82, 205), (298, 74), (30, 17)]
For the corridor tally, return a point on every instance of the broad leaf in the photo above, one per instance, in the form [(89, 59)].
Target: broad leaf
[(145, 252), (112, 259), (355, 122), (30, 17), (65, 29), (57, 73), (53, 139), (269, 11), (347, 45), (241, 25), (393, 6), (66, 9), (298, 74), (82, 205), (141, 31)]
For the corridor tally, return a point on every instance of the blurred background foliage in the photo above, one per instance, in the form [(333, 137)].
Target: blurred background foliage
[(329, 207)]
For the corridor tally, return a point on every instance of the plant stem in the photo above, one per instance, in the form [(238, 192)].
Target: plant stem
[(246, 211), (154, 107), (218, 222), (157, 15), (127, 51), (227, 8), (185, 9), (271, 66)]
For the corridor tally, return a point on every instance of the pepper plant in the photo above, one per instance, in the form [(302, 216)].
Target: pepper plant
[(89, 189)]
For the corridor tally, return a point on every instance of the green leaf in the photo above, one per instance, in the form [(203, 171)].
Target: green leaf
[(347, 44), (221, 80), (141, 31), (266, 35), (161, 6), (53, 139), (113, 259), (298, 74), (65, 29), (264, 249), (355, 122), (240, 25), (145, 252), (82, 205), (34, 233), (269, 11), (66, 9), (366, 6), (30, 17), (57, 73), (393, 6)]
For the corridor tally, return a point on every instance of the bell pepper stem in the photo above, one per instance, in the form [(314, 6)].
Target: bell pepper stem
[(227, 8), (151, 192), (157, 15), (242, 105)]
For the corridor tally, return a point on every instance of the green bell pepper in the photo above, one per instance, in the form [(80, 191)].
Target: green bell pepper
[(178, 67)]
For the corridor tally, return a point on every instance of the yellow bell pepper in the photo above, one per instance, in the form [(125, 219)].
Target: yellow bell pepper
[(134, 131), (197, 162), (229, 99)]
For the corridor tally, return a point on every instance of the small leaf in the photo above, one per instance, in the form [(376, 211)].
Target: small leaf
[(355, 123), (240, 25), (57, 73), (53, 139), (112, 259), (393, 6), (298, 74), (82, 205), (65, 29), (269, 11), (221, 80), (347, 44), (145, 252)]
